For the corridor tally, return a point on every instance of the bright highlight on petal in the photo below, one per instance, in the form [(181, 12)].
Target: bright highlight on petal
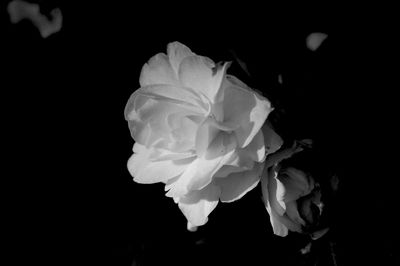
[(146, 171), (198, 204)]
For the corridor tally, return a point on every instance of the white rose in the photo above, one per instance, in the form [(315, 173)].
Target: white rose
[(291, 196), (197, 130)]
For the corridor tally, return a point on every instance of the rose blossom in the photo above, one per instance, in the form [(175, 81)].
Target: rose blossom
[(291, 195), (197, 130)]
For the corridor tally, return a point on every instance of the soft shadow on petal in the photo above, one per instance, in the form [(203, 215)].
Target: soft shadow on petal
[(250, 112), (296, 182), (244, 159), (183, 132), (205, 134), (158, 71), (197, 72), (208, 129), (236, 185), (200, 173), (293, 213), (198, 204), (145, 171), (256, 149), (272, 140)]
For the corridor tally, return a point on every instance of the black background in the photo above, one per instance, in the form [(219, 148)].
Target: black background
[(73, 199)]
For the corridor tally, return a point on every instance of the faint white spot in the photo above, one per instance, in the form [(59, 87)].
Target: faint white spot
[(19, 10), (200, 241), (306, 249), (314, 40), (334, 182), (280, 79)]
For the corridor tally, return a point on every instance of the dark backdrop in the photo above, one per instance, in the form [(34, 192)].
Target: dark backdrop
[(75, 197)]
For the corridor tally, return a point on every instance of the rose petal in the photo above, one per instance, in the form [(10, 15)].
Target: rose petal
[(236, 185), (296, 183), (293, 213), (148, 116), (205, 134), (278, 227), (145, 171), (167, 155), (276, 190), (244, 159), (176, 53), (256, 149), (198, 204), (196, 72), (226, 170), (184, 97), (158, 71), (272, 140), (250, 113), (183, 132), (200, 173)]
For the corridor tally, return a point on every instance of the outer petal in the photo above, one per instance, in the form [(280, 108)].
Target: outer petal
[(197, 72), (146, 171), (201, 171), (250, 112), (279, 220), (236, 185), (276, 191), (278, 227), (176, 53), (158, 71), (198, 204)]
